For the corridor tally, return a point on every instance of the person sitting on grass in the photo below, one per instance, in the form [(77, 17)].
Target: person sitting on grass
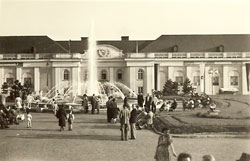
[(173, 106), (212, 107)]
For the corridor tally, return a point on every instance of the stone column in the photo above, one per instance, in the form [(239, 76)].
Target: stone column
[(36, 80), (244, 80), (202, 77), (75, 79), (56, 77), (208, 81), (171, 73), (225, 76), (132, 78), (111, 75), (149, 75), (19, 74)]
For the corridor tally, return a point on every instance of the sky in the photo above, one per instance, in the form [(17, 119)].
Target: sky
[(138, 19)]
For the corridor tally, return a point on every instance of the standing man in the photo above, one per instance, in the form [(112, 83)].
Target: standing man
[(140, 100), (85, 103), (124, 120), (132, 121), (93, 104), (108, 106)]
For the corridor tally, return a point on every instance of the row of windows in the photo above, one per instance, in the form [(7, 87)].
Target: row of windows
[(103, 75), (234, 80)]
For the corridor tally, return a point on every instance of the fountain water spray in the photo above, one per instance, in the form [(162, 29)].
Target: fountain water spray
[(92, 63)]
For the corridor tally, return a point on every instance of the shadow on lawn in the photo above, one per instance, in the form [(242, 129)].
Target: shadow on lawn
[(74, 137)]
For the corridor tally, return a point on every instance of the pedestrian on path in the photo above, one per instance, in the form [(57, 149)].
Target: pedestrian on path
[(132, 121), (61, 115), (124, 120), (165, 143), (29, 119), (71, 118)]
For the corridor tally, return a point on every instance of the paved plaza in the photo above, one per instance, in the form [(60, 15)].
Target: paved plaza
[(94, 139)]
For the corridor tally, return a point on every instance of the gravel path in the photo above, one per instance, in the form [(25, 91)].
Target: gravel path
[(92, 139)]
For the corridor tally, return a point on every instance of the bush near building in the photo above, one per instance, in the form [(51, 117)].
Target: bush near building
[(170, 88), (187, 87)]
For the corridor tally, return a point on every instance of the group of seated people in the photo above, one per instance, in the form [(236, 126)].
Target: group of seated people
[(9, 115), (144, 119), (168, 106)]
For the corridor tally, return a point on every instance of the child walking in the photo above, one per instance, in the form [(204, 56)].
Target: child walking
[(29, 118), (70, 117)]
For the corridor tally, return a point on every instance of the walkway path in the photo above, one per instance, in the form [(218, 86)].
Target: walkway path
[(92, 139)]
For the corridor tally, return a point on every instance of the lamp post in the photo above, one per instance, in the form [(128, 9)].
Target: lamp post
[(47, 65), (213, 71)]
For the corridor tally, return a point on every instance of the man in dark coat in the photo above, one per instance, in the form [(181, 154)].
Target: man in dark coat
[(93, 104), (85, 103), (140, 99), (132, 121), (61, 115), (109, 112)]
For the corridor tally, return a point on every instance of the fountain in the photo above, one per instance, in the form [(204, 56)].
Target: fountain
[(90, 87)]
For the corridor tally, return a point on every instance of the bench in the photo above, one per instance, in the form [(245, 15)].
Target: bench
[(228, 90)]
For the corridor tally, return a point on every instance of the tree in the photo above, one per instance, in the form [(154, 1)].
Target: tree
[(170, 88), (187, 87)]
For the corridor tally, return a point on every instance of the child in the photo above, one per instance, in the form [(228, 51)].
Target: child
[(29, 118), (70, 117)]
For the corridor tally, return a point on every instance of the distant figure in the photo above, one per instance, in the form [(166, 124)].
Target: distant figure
[(132, 121), (140, 100), (124, 120), (165, 144), (109, 111), (18, 103), (184, 157), (85, 103), (61, 115), (71, 118), (29, 119), (114, 110), (93, 104), (208, 158), (29, 100), (98, 102)]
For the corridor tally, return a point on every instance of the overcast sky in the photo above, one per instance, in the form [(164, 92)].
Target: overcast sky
[(141, 19)]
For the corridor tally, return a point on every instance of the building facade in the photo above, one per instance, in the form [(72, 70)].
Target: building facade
[(213, 63)]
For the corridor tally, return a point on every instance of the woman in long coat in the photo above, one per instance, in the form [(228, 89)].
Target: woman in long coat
[(165, 143), (61, 115)]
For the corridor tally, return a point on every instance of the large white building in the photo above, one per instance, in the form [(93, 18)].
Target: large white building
[(211, 62)]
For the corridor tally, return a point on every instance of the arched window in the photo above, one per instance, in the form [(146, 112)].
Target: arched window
[(119, 74), (140, 74), (66, 75), (104, 75)]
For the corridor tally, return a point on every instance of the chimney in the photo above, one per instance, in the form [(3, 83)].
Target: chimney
[(33, 49), (125, 38)]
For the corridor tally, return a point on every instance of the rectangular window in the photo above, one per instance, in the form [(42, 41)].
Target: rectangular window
[(196, 80), (234, 80), (104, 76), (179, 80), (216, 80), (140, 89), (119, 75)]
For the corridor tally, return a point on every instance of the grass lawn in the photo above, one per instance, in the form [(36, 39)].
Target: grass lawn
[(234, 116)]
